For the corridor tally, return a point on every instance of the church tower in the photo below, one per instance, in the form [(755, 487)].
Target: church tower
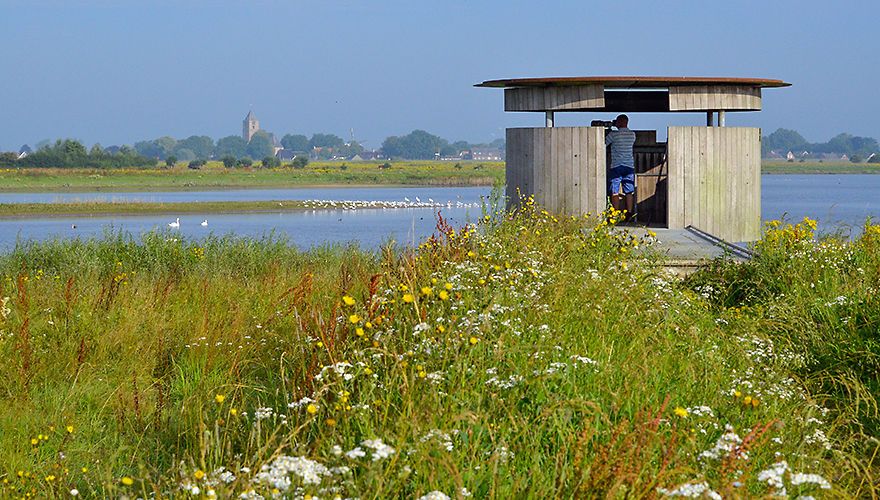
[(249, 126)]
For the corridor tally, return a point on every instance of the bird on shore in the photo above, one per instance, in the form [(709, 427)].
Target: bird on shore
[(205, 223), (73, 226), (176, 223)]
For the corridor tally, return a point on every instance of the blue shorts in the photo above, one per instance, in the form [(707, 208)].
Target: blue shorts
[(621, 175)]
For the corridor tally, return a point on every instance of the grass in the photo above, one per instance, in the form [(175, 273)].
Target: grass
[(815, 167), (215, 176), (531, 356)]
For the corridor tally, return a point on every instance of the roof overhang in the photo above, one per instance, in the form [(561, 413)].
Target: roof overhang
[(633, 82)]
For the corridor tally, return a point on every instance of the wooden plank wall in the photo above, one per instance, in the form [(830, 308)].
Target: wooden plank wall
[(714, 97), (554, 98), (563, 167), (715, 181)]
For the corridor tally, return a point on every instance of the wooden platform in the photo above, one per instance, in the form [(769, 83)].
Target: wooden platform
[(688, 249)]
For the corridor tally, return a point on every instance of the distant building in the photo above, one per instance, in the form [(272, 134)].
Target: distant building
[(789, 156), (249, 126), (289, 155), (486, 154), (366, 156)]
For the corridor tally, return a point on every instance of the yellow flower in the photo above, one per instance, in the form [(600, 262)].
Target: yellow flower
[(448, 286), (354, 318), (422, 374), (70, 429), (408, 298), (444, 295), (441, 328), (427, 291), (233, 412), (474, 340), (35, 441), (199, 474), (681, 412), (126, 481), (368, 371), (755, 402), (359, 332), (747, 400), (311, 409), (471, 254), (433, 281), (737, 393), (330, 422), (219, 398), (368, 324), (349, 301)]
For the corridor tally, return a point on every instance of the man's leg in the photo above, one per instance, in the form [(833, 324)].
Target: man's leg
[(616, 202), (628, 183)]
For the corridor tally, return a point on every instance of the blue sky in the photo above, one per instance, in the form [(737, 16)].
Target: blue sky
[(118, 71)]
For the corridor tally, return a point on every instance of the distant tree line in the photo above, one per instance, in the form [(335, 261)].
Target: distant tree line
[(69, 153), (856, 148), (232, 151)]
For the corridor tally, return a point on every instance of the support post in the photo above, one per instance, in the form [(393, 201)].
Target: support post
[(548, 118), (720, 118), (710, 122)]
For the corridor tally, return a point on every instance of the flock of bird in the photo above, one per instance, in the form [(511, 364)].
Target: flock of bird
[(356, 204)]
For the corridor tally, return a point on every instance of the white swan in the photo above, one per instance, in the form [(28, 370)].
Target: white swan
[(176, 223), (205, 223)]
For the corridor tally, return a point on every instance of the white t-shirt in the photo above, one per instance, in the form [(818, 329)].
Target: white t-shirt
[(621, 142)]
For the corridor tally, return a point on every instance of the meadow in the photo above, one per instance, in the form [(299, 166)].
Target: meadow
[(816, 167), (526, 356), (214, 175)]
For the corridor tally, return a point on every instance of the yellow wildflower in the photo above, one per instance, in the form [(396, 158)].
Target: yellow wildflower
[(126, 481), (408, 298), (199, 474), (474, 340), (70, 429), (444, 295), (354, 318), (233, 412), (312, 409), (359, 332), (681, 412), (427, 291), (219, 398), (349, 301)]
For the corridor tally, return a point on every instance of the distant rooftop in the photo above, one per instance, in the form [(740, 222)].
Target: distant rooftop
[(632, 82)]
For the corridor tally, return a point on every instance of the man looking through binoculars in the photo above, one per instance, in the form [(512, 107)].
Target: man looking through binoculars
[(622, 173)]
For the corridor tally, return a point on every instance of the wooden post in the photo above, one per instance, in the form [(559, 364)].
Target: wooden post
[(721, 118), (710, 122), (548, 118)]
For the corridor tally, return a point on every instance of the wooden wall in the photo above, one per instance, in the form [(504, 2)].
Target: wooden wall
[(715, 181), (554, 98), (563, 167), (714, 97)]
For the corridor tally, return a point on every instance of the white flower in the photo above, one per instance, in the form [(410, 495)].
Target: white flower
[(691, 490), (798, 478), (357, 452), (435, 495), (380, 449), (74, 492)]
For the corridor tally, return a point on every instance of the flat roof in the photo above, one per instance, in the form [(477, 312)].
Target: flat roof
[(632, 82)]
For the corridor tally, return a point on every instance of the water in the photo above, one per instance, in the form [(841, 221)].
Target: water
[(839, 202)]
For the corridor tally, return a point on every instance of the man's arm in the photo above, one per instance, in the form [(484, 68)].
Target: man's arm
[(608, 139)]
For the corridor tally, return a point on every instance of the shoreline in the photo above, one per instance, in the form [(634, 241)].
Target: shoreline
[(89, 209)]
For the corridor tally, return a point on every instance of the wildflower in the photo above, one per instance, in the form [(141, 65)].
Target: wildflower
[(70, 429), (359, 332), (330, 422), (747, 400), (427, 291), (312, 409), (126, 481), (448, 286), (408, 298), (74, 492), (233, 412), (349, 301), (354, 318), (199, 474), (681, 412), (219, 398), (35, 441), (444, 295), (471, 254), (474, 340), (737, 393)]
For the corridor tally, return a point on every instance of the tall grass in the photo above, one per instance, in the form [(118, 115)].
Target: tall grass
[(529, 356)]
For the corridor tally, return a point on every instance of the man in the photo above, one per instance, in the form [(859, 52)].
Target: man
[(622, 173)]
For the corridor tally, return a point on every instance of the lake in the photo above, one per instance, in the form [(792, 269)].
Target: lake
[(839, 202)]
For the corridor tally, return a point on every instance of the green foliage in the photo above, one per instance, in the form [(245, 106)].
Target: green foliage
[(529, 356), (325, 141), (295, 142), (233, 145), (196, 164), (856, 158), (299, 162), (875, 158), (260, 145), (170, 161), (784, 140), (270, 162), (245, 162), (201, 146), (228, 161), (69, 153), (417, 145)]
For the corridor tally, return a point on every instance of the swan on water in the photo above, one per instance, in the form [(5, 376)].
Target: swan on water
[(205, 223), (176, 223)]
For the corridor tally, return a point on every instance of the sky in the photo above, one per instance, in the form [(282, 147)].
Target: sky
[(120, 71)]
